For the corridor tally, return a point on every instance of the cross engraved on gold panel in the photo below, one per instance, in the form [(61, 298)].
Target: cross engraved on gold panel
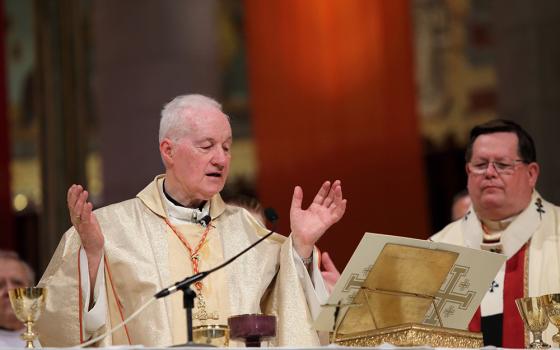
[(448, 295), (353, 282)]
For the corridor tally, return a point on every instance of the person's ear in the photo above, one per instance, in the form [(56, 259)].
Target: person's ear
[(166, 151), (533, 170)]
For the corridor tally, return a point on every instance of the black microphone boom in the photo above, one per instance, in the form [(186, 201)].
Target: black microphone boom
[(181, 284), (270, 215)]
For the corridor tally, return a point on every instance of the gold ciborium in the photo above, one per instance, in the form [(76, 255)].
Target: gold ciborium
[(28, 303), (533, 313), (552, 307), (212, 335)]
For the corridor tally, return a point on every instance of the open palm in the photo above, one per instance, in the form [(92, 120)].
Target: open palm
[(310, 224), (84, 220)]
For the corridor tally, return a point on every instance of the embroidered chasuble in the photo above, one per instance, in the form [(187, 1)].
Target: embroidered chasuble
[(143, 255), (531, 242)]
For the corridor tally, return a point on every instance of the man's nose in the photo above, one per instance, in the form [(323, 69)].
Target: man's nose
[(220, 158), (491, 170), (10, 285)]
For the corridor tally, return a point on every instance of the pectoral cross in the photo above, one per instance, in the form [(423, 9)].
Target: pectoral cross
[(201, 314), (540, 206), (493, 285)]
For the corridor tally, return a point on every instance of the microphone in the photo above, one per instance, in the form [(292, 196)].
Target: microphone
[(269, 213), (204, 221)]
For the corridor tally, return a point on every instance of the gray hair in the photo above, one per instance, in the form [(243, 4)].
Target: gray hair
[(11, 255), (172, 123)]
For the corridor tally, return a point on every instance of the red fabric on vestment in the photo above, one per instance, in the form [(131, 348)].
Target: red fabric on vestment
[(474, 325), (513, 335), (513, 330)]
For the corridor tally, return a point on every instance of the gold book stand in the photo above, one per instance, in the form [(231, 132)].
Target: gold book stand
[(393, 302)]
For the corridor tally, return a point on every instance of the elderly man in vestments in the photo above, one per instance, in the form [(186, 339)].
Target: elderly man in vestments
[(116, 258), (510, 217)]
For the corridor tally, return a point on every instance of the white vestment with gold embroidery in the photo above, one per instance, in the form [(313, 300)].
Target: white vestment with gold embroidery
[(143, 255)]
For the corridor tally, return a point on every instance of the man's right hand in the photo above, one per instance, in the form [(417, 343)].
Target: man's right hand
[(85, 222)]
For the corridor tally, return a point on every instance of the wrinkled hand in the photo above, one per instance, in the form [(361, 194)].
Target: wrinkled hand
[(84, 220), (309, 225), (329, 271), (88, 228)]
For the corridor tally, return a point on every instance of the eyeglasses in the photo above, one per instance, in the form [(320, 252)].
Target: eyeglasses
[(502, 167)]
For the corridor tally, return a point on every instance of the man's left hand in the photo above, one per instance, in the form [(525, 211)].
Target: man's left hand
[(309, 225), (329, 271)]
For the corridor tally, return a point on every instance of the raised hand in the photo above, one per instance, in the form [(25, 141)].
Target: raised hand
[(85, 222), (329, 271), (310, 224), (84, 219)]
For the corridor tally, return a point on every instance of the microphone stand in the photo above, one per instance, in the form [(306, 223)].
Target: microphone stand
[(188, 304), (189, 295)]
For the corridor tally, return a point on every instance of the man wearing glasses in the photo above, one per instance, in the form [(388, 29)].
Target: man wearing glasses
[(508, 216)]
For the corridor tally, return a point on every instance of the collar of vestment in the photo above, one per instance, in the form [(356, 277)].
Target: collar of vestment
[(152, 196), (179, 214), (493, 233), (517, 233), (499, 225)]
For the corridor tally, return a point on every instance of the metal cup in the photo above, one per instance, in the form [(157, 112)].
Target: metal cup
[(28, 304), (552, 306), (533, 313)]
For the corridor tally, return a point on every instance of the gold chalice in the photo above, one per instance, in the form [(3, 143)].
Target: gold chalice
[(28, 303), (533, 313), (552, 307)]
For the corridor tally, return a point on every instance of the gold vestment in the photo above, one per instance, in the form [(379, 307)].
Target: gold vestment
[(137, 265)]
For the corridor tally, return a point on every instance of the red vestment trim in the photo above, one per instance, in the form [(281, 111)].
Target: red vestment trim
[(513, 330), (80, 302), (474, 325), (117, 299)]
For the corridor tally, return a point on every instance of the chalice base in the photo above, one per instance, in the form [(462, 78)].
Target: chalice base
[(556, 338), (538, 343), (29, 336)]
